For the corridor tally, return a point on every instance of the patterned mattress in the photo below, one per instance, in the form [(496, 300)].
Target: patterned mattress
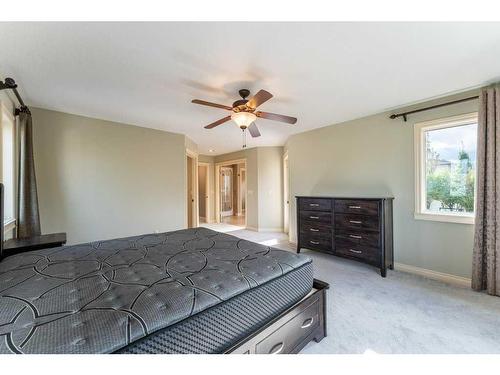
[(100, 297)]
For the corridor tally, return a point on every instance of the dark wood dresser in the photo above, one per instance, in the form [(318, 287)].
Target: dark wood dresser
[(354, 228)]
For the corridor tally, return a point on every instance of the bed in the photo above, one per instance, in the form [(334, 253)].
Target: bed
[(186, 291)]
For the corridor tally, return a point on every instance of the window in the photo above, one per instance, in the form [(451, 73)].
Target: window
[(445, 169), (8, 166)]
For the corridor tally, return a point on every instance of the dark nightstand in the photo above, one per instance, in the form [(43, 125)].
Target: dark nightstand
[(44, 241)]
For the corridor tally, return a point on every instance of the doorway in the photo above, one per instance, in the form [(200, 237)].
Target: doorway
[(226, 191), (243, 188), (231, 197), (286, 195), (203, 193), (192, 187)]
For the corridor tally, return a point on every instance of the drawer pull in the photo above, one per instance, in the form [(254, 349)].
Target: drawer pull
[(313, 217), (307, 323), (276, 349), (354, 236), (314, 242), (314, 230), (355, 221), (355, 251), (314, 204), (355, 207)]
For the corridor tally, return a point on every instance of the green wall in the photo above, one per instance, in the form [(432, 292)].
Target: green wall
[(374, 156), (99, 179)]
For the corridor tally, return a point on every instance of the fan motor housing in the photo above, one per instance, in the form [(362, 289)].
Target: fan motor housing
[(240, 103)]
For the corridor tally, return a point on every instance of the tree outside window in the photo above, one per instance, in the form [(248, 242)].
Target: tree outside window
[(450, 169)]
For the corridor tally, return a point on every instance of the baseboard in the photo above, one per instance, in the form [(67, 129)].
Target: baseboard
[(435, 275)]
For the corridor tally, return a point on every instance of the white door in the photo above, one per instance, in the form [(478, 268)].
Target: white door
[(226, 191)]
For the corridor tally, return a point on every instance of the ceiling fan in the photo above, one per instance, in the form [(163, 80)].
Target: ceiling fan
[(244, 112)]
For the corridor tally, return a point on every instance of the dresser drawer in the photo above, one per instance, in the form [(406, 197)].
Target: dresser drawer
[(314, 217), (358, 237), (316, 229), (366, 253), (315, 242), (357, 222), (315, 204), (290, 334), (364, 207)]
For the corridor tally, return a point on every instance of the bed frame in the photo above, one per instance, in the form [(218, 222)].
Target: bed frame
[(292, 330)]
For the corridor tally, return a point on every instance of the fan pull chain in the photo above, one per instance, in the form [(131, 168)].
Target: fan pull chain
[(244, 139)]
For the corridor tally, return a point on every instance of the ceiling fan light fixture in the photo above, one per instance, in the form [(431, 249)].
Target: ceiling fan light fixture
[(243, 119)]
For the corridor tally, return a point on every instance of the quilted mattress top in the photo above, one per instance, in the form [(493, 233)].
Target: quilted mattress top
[(99, 297)]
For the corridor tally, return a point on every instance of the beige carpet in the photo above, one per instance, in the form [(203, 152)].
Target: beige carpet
[(402, 313)]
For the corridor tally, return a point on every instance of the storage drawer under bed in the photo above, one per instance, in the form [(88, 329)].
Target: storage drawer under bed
[(291, 331), (286, 337)]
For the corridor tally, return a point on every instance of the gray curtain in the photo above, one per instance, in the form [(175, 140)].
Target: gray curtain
[(486, 253), (28, 217)]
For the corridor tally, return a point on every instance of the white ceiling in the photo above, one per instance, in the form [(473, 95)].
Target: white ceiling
[(323, 73)]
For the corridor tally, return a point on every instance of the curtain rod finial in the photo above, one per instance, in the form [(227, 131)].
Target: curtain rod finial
[(10, 83)]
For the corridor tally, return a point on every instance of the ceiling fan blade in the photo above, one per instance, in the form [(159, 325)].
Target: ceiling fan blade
[(218, 122), (202, 102), (259, 98), (276, 117), (254, 130)]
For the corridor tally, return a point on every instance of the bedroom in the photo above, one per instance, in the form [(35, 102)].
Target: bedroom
[(327, 191)]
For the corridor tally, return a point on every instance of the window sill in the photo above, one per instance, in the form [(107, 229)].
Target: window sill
[(9, 225), (457, 219)]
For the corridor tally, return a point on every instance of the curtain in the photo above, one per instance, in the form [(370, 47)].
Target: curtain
[(27, 200), (486, 253)]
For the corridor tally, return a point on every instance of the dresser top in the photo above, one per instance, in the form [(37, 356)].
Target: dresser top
[(341, 197)]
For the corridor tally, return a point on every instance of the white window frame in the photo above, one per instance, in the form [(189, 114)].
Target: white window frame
[(420, 187)]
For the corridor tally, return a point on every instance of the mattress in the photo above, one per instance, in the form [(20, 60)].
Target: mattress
[(103, 296), (217, 329)]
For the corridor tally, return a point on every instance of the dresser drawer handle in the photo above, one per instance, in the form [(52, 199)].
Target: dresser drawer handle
[(355, 251), (313, 217), (314, 242), (355, 207), (354, 236), (307, 323), (314, 204), (276, 349), (355, 221), (314, 230)]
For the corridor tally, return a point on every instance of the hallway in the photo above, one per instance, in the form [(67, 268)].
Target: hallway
[(234, 220)]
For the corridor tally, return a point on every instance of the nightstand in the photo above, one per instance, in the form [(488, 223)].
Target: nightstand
[(44, 241)]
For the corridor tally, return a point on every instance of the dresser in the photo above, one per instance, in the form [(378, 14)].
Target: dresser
[(355, 228)]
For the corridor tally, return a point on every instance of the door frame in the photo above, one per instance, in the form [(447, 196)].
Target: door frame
[(217, 186), (286, 194), (194, 181), (208, 212)]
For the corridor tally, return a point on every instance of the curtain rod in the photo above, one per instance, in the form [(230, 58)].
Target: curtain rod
[(12, 85), (405, 114)]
